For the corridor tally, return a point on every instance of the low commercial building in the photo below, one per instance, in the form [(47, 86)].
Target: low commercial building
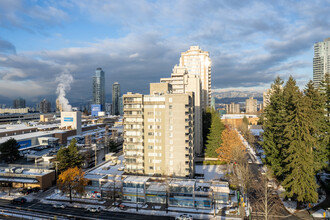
[(24, 176), (108, 181)]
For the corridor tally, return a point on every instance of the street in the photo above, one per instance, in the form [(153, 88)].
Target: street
[(78, 213)]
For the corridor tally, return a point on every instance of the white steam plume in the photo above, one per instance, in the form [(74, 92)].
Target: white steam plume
[(64, 80)]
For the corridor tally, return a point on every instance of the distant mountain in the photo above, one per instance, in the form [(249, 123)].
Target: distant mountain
[(236, 94)]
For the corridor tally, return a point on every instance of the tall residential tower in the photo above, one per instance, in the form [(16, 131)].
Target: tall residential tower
[(321, 61), (159, 132), (99, 88), (198, 62), (115, 98)]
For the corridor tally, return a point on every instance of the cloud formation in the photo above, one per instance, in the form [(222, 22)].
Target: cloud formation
[(250, 42)]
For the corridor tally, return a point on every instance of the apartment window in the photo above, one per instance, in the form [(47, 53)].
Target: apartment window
[(150, 133), (150, 147), (150, 113), (151, 168), (170, 106), (170, 100), (171, 162), (171, 141), (171, 134)]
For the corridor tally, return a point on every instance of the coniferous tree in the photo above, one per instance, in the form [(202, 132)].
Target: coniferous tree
[(207, 118), (299, 169), (273, 125), (214, 137), (69, 157), (317, 107), (9, 150)]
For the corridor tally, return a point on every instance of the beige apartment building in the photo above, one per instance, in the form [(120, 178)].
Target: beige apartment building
[(182, 82), (198, 62), (251, 106), (233, 108), (159, 132)]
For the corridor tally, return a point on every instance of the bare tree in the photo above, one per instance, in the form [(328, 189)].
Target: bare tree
[(263, 198)]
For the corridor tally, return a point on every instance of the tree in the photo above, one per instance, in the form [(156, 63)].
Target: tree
[(72, 180), (231, 143), (69, 157), (214, 137), (274, 119), (321, 127), (9, 150), (207, 118), (263, 198), (299, 180)]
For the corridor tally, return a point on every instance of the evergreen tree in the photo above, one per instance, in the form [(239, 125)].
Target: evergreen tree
[(273, 125), (69, 157), (9, 150), (214, 137), (207, 117), (317, 106), (299, 169)]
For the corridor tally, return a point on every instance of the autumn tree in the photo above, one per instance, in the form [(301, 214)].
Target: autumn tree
[(72, 181), (214, 137), (69, 157), (9, 150), (231, 144)]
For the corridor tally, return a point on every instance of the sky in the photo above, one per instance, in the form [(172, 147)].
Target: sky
[(137, 42)]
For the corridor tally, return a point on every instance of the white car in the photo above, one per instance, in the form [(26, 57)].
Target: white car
[(93, 209), (59, 206), (184, 217)]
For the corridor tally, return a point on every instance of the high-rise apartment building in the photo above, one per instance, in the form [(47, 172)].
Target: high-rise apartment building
[(44, 106), (251, 106), (198, 62), (321, 61), (115, 98), (183, 82), (19, 103), (99, 88), (233, 108), (159, 132)]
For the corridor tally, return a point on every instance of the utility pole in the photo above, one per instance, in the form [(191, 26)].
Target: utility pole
[(95, 155)]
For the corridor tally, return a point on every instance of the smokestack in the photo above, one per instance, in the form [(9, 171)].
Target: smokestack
[(64, 80)]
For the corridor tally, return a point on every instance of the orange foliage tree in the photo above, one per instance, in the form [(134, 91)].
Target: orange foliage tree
[(231, 147), (72, 180)]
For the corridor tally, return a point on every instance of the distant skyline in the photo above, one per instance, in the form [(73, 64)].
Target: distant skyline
[(138, 42)]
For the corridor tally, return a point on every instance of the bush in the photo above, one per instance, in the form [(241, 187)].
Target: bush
[(214, 162)]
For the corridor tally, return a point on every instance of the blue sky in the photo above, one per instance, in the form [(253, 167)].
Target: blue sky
[(138, 42)]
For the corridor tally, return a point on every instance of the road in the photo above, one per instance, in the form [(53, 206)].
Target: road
[(78, 213)]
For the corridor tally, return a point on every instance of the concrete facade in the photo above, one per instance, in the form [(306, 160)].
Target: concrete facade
[(159, 132), (183, 82), (198, 62), (233, 108), (72, 120), (251, 106)]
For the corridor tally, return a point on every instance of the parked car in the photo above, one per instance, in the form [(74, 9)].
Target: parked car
[(122, 206), (36, 189), (19, 200), (59, 206), (184, 217), (26, 191), (93, 209)]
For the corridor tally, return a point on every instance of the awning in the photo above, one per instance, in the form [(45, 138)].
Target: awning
[(18, 180)]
